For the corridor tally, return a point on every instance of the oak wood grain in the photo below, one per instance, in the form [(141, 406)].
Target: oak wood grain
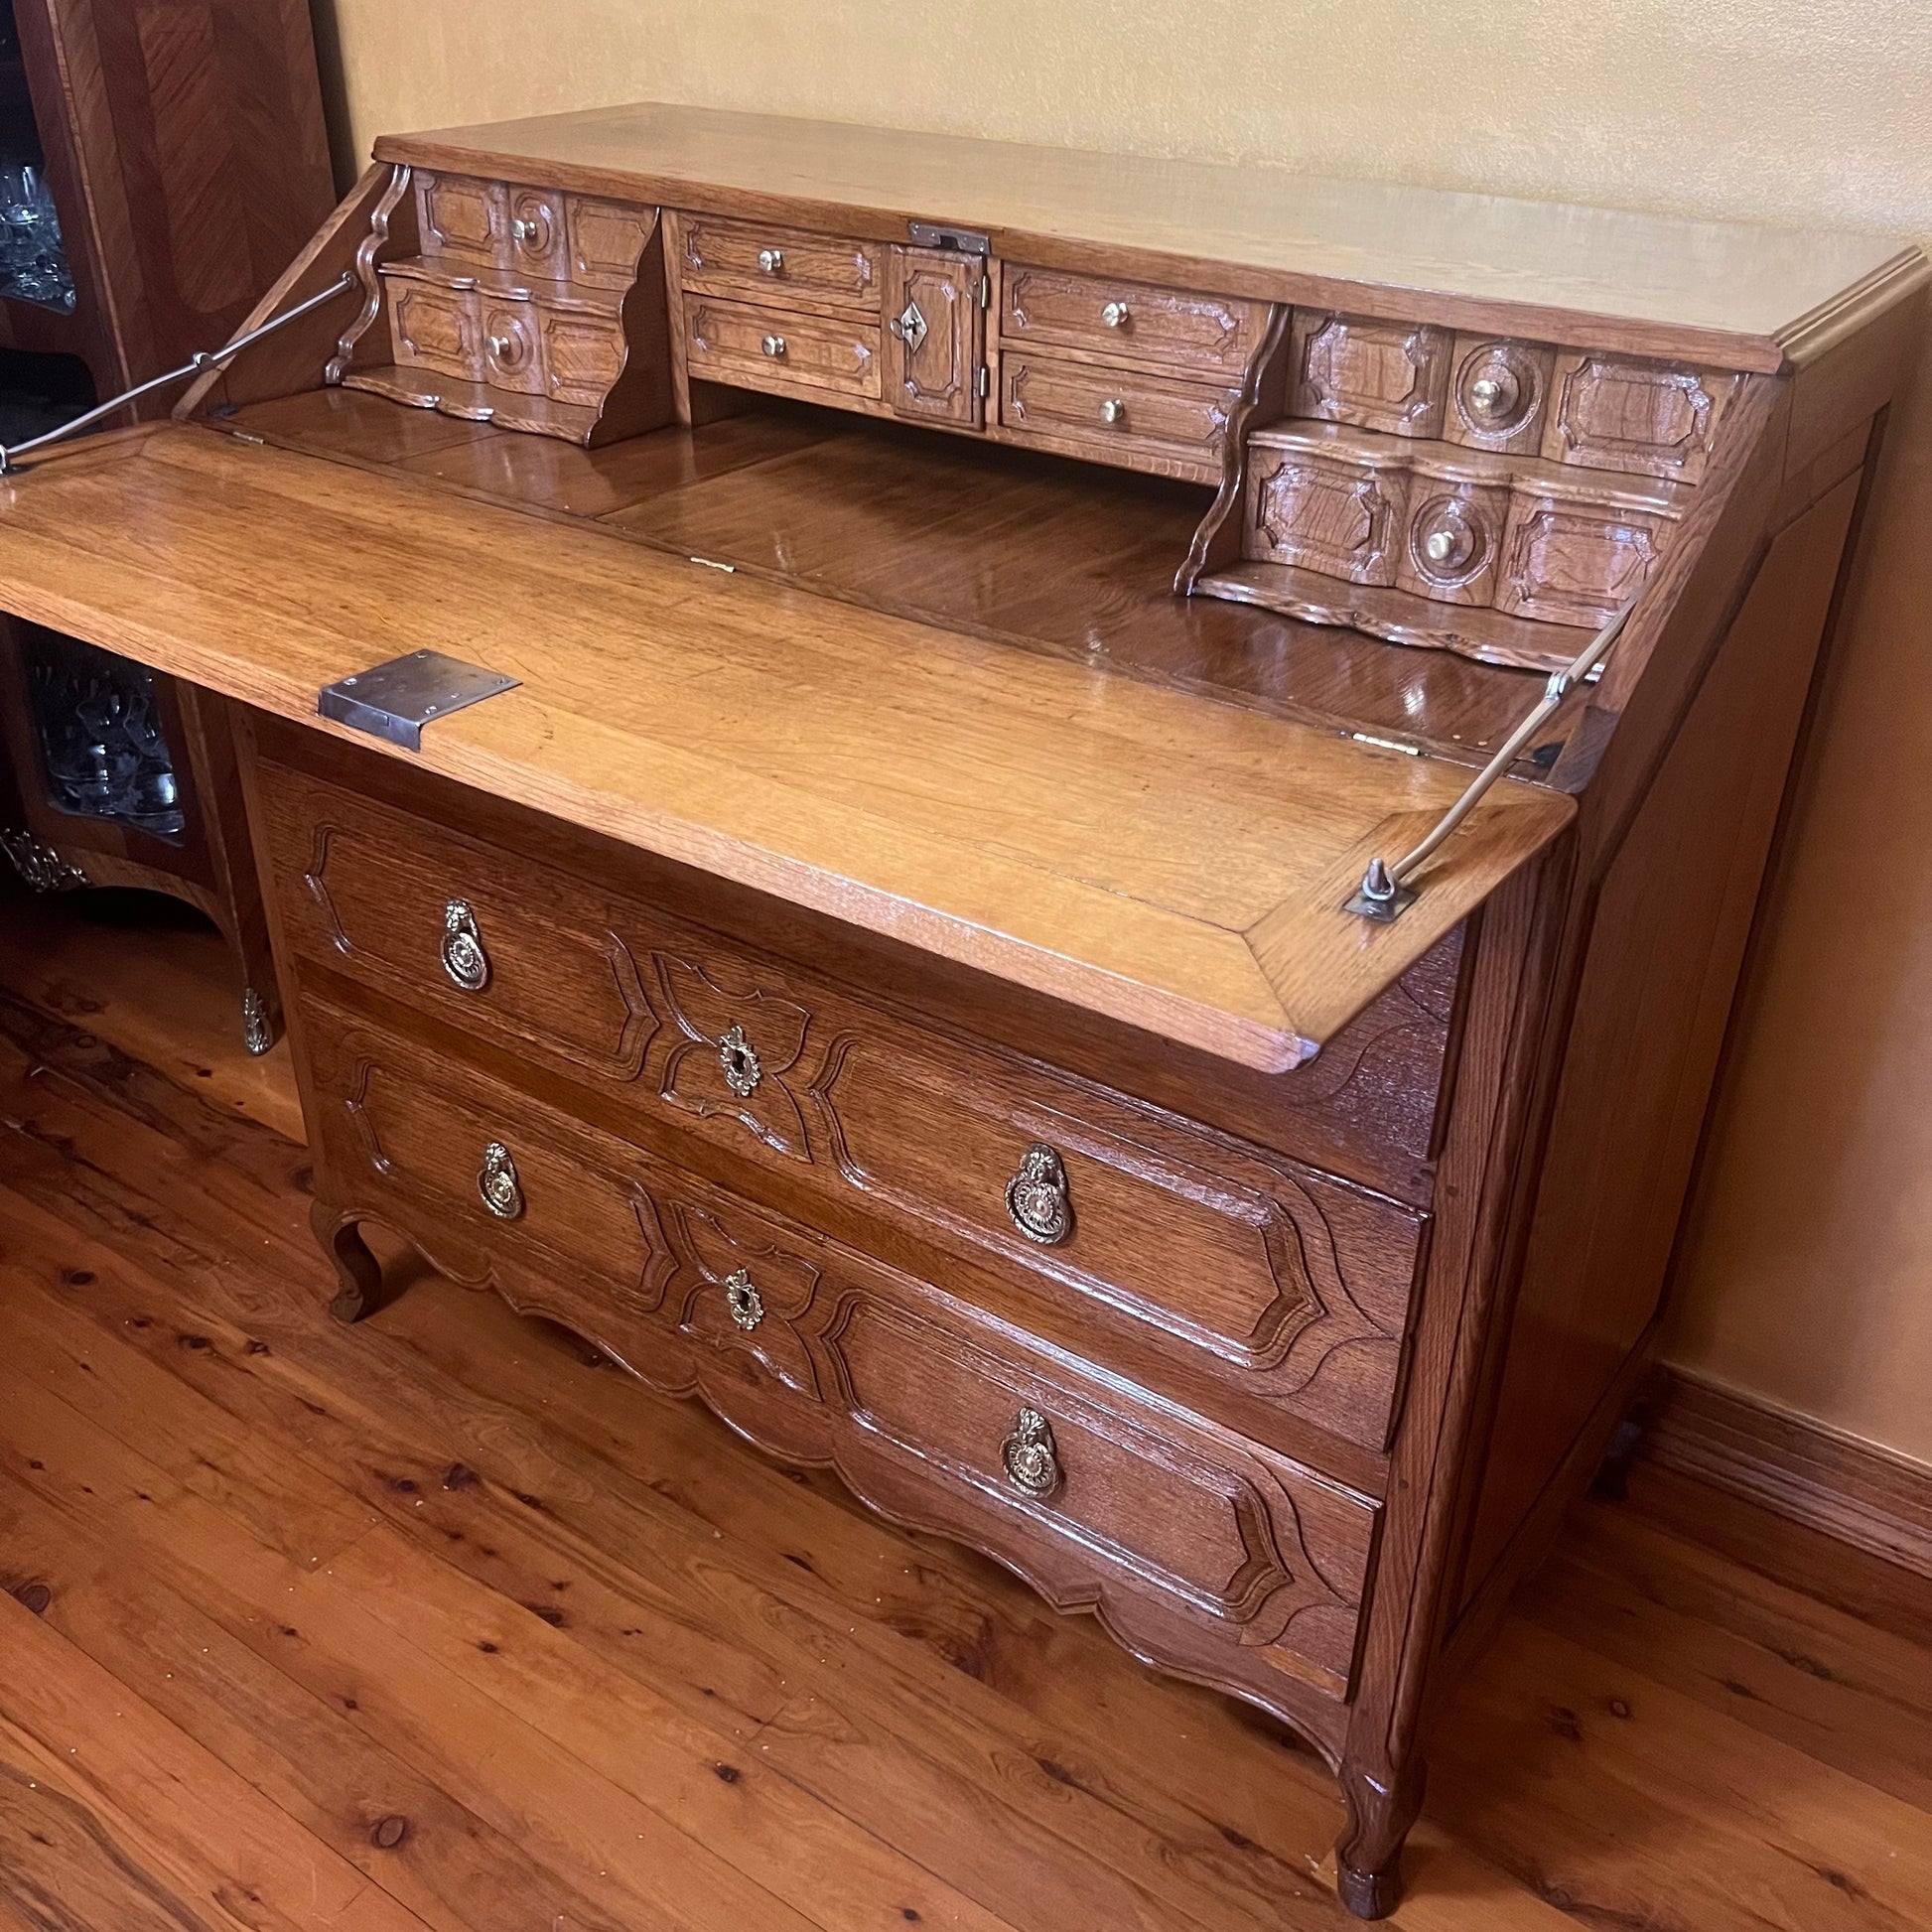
[(1227, 843)]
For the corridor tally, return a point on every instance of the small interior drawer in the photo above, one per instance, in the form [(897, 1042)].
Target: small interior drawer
[(784, 267), (1207, 335), (786, 351)]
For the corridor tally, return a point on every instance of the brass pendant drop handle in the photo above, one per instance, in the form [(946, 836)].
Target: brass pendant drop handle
[(1030, 1455), (1038, 1200), (496, 1183), (463, 958)]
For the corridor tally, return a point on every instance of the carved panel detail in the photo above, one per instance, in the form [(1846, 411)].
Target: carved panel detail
[(1654, 419), (1386, 376), (705, 1071)]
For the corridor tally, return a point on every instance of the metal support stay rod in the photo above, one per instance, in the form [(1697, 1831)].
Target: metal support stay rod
[(1384, 890), (201, 360)]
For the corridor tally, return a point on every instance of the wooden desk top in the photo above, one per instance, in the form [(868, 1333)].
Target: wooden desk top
[(1173, 861), (1741, 296)]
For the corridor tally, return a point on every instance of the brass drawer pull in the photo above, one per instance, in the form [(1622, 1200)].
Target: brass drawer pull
[(1037, 1197), (1113, 410), (1031, 1457), (774, 345), (463, 958), (740, 1059), (498, 1183), (525, 230), (1115, 315), (742, 1298), (771, 261)]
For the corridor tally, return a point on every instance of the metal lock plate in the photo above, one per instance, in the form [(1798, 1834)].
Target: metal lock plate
[(396, 699)]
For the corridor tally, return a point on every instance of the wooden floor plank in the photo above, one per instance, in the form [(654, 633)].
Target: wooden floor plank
[(1631, 1804), (1770, 1657), (301, 1752), (85, 1760)]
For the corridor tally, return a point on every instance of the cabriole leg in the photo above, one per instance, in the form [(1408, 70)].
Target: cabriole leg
[(1368, 1854), (361, 1291)]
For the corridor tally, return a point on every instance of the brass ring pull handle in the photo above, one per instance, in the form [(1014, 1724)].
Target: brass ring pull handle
[(463, 958), (1037, 1197), (742, 1298), (740, 1059), (496, 1183), (1031, 1457)]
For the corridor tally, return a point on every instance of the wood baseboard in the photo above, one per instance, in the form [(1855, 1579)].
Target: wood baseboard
[(1797, 1468)]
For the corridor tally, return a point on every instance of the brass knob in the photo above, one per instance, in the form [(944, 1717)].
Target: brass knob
[(738, 1058), (524, 231), (746, 1304), (1439, 546), (502, 347), (496, 1183), (1114, 315), (1031, 1457), (1485, 392), (774, 345), (771, 261), (463, 958), (1037, 1197), (1113, 410)]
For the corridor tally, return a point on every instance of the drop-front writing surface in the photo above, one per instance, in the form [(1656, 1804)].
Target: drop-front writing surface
[(979, 616)]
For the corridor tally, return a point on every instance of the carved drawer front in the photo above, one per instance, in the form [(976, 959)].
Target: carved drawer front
[(583, 355), (1650, 419), (605, 241), (785, 267), (1499, 395), (513, 345), (435, 328), (1292, 1285), (1329, 513), (498, 1175), (1386, 376), (938, 332), (1092, 1494), (469, 219), (1576, 558), (788, 351), (1129, 322), (1117, 415), (537, 232), (504, 949)]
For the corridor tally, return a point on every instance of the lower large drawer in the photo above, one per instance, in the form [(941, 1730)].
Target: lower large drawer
[(1208, 1550)]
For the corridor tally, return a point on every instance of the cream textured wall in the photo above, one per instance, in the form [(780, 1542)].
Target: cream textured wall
[(1808, 1275)]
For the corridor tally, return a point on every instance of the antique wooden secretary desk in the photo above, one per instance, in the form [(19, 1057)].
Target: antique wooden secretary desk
[(919, 938)]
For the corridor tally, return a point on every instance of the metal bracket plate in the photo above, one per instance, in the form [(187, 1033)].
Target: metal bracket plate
[(962, 241), (395, 700), (1384, 912)]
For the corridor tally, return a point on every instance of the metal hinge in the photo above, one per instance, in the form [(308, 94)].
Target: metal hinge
[(986, 382), (962, 241), (985, 290)]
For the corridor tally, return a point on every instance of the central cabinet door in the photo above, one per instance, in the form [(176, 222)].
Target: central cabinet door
[(937, 323)]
